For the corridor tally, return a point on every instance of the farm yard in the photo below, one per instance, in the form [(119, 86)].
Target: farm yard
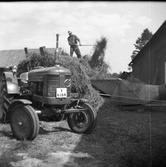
[(121, 138)]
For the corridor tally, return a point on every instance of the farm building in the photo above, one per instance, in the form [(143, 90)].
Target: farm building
[(149, 66), (13, 57)]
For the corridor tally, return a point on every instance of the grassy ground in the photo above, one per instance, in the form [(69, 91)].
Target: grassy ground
[(121, 139)]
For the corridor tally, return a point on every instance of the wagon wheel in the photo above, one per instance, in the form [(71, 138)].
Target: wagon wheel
[(24, 122), (84, 121)]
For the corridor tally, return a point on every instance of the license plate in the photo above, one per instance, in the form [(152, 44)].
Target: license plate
[(61, 92)]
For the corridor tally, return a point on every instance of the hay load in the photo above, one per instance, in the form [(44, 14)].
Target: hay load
[(82, 70), (80, 79), (97, 58), (97, 62)]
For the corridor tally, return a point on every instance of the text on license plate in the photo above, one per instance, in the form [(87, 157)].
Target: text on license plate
[(61, 92)]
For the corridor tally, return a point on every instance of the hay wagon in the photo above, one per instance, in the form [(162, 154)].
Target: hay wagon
[(131, 93)]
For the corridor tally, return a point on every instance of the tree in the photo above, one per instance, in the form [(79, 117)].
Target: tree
[(141, 42)]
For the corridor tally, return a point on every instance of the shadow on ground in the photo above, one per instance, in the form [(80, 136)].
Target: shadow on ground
[(124, 139)]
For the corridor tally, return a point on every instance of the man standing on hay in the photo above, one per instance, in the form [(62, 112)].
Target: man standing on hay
[(72, 40)]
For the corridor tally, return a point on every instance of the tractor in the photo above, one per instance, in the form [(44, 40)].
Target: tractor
[(42, 94)]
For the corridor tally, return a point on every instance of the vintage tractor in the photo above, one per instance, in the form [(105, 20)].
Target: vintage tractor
[(42, 94)]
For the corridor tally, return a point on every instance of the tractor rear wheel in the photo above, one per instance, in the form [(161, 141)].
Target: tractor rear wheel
[(24, 122), (84, 121)]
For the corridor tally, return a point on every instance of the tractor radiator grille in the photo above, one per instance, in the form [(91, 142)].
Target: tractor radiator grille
[(53, 82)]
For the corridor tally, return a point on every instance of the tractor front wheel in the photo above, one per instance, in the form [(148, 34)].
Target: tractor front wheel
[(24, 122), (84, 121)]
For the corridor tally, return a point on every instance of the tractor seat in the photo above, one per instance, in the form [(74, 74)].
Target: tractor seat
[(24, 79)]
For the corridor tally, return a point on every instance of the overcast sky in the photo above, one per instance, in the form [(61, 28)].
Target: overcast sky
[(35, 24)]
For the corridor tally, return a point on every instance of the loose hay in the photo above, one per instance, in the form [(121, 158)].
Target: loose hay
[(99, 53), (81, 80)]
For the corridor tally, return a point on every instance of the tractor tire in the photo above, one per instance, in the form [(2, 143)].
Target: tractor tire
[(84, 121), (24, 122)]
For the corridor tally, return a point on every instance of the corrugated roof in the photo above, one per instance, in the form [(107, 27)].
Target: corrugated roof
[(13, 57)]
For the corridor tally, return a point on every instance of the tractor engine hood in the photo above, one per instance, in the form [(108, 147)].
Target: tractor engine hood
[(37, 74)]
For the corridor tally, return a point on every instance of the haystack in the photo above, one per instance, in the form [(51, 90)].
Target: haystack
[(81, 83), (80, 71)]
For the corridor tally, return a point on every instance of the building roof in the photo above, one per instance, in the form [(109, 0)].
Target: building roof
[(13, 57), (150, 42)]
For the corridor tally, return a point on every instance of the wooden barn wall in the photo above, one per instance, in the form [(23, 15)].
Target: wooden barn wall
[(150, 66)]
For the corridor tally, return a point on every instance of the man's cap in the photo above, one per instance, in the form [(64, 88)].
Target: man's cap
[(69, 32)]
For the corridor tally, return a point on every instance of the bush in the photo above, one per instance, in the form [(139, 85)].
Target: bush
[(33, 60)]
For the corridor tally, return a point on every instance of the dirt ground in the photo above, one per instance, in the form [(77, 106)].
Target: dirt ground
[(120, 139), (54, 146)]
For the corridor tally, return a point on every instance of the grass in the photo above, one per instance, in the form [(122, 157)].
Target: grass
[(128, 139)]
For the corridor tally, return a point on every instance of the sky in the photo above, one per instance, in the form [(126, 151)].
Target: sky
[(35, 24)]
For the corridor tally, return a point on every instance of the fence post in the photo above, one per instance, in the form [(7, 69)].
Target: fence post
[(26, 51), (42, 51)]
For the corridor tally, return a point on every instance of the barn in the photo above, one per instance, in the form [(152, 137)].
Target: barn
[(149, 66), (13, 57)]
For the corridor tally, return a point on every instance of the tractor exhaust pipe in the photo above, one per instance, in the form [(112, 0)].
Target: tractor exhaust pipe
[(56, 55), (57, 40)]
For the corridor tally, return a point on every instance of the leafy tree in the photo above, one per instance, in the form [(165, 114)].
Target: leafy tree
[(141, 42)]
